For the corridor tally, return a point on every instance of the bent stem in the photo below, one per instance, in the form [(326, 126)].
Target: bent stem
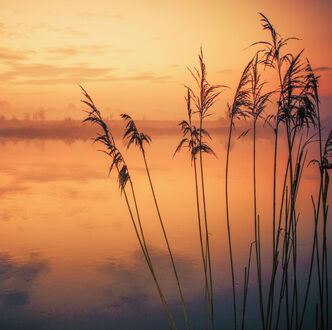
[(144, 248), (246, 286), (134, 136), (240, 102), (204, 100), (228, 224), (167, 243), (107, 139), (191, 143)]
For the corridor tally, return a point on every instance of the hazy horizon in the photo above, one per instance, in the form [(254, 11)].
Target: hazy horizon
[(244, 213), (130, 58)]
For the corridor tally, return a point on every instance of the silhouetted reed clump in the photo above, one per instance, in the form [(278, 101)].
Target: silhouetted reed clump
[(292, 108)]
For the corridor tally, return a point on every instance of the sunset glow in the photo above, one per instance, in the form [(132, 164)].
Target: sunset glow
[(165, 164), (132, 56)]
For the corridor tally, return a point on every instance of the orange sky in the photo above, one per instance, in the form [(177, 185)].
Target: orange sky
[(132, 55)]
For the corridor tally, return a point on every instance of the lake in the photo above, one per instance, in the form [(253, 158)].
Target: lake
[(69, 257)]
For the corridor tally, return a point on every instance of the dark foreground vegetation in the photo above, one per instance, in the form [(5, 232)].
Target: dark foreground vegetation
[(292, 109)]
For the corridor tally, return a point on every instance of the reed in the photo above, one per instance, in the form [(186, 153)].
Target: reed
[(117, 161), (191, 141), (273, 57), (246, 286), (204, 100), (236, 111), (259, 100), (296, 109), (139, 139), (296, 112), (324, 166)]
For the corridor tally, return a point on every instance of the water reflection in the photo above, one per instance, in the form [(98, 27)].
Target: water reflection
[(17, 283), (57, 199), (132, 278), (16, 280)]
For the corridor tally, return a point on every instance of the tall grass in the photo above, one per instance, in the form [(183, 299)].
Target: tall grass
[(117, 161), (292, 109), (296, 109), (137, 138), (204, 100), (258, 102), (190, 140), (237, 110), (273, 57)]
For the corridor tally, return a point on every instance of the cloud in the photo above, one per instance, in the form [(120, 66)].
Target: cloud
[(49, 74), (41, 73), (14, 299), (46, 70), (77, 50), (91, 15), (5, 217), (132, 282), (9, 54), (226, 71), (145, 76), (63, 31), (46, 172), (25, 174), (71, 32), (63, 51), (16, 279), (323, 68), (87, 76), (10, 31), (58, 81), (12, 188)]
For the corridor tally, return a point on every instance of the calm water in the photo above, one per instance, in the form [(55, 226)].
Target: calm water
[(69, 257)]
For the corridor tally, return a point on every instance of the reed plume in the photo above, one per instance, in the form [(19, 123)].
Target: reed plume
[(133, 136), (117, 161), (190, 140), (204, 100), (259, 100), (295, 110), (236, 111)]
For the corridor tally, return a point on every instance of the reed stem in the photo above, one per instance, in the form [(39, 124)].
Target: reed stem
[(228, 224)]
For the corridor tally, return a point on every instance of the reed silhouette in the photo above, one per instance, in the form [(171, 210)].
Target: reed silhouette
[(292, 109), (237, 110), (137, 138), (203, 101), (258, 101), (191, 141), (118, 162)]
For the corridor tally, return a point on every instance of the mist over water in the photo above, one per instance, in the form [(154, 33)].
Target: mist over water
[(69, 257)]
